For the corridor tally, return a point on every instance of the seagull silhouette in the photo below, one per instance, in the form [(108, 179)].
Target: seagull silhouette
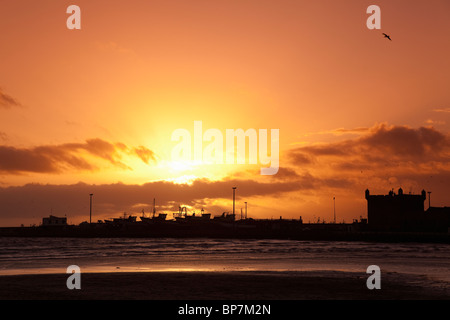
[(386, 36)]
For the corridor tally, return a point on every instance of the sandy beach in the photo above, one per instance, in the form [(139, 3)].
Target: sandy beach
[(221, 286)]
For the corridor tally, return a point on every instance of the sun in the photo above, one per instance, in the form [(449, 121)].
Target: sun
[(179, 166)]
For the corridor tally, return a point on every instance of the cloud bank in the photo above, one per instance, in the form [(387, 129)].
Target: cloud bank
[(7, 102), (68, 157)]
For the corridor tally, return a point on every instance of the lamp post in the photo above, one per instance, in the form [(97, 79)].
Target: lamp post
[(234, 190), (245, 209), (334, 208)]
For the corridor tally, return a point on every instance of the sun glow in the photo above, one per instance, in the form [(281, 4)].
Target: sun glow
[(186, 179), (179, 166)]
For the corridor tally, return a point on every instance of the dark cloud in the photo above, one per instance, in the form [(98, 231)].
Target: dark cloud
[(357, 130), (7, 102), (3, 136), (63, 157), (285, 173), (145, 154), (34, 201), (299, 157), (382, 145), (385, 157), (13, 160), (406, 142), (337, 149), (37, 200)]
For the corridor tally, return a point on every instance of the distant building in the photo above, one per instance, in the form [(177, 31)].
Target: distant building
[(54, 221), (438, 219), (404, 212)]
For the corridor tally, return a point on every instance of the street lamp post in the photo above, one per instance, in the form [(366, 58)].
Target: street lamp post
[(334, 208), (234, 190), (245, 209)]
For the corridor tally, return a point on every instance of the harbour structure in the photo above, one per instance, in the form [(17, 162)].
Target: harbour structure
[(389, 216), (405, 212), (53, 221)]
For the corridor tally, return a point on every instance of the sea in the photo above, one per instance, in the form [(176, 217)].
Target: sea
[(19, 256)]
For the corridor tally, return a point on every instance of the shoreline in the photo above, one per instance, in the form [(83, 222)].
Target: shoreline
[(229, 285), (316, 235)]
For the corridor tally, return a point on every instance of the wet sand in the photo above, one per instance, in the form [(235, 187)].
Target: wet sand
[(221, 286)]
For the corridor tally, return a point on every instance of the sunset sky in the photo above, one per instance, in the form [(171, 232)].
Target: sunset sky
[(93, 110)]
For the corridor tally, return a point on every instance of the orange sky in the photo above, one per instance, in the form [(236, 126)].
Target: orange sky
[(97, 106)]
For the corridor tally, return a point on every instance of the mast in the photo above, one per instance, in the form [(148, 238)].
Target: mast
[(154, 207)]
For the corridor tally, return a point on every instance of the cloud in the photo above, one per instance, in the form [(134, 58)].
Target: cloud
[(145, 154), (445, 110), (342, 131), (68, 156), (406, 142), (382, 144), (357, 130), (385, 157), (40, 159), (3, 136), (340, 149), (299, 157), (382, 155), (36, 200), (7, 102), (434, 122), (31, 202)]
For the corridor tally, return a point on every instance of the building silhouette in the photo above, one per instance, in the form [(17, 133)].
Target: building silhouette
[(405, 212), (54, 221)]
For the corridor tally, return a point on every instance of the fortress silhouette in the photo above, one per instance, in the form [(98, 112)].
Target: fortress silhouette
[(405, 212)]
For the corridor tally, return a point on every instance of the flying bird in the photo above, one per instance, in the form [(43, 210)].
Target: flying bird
[(386, 36)]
